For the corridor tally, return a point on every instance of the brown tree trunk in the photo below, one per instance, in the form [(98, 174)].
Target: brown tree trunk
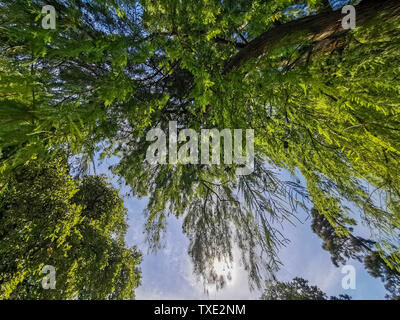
[(316, 28)]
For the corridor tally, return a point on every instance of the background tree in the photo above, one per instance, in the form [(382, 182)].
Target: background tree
[(345, 247), (377, 268), (341, 248), (77, 226), (297, 289)]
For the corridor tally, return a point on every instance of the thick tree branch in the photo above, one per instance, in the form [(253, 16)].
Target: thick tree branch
[(316, 28)]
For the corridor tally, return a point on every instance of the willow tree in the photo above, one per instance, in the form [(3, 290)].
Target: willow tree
[(321, 99), (76, 226)]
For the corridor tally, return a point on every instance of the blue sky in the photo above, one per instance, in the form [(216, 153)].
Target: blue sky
[(167, 274), (337, 4)]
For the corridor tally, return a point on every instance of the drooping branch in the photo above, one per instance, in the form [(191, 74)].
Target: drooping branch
[(316, 28)]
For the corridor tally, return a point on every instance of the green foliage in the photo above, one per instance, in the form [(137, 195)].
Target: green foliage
[(56, 86), (327, 111), (341, 247), (77, 226)]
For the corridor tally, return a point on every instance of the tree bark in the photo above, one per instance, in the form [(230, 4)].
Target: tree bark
[(317, 28)]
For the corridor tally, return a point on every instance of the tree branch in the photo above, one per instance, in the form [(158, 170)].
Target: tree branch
[(316, 28)]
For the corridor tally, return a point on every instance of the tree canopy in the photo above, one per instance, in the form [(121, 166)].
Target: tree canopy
[(297, 289), (322, 101), (78, 226)]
